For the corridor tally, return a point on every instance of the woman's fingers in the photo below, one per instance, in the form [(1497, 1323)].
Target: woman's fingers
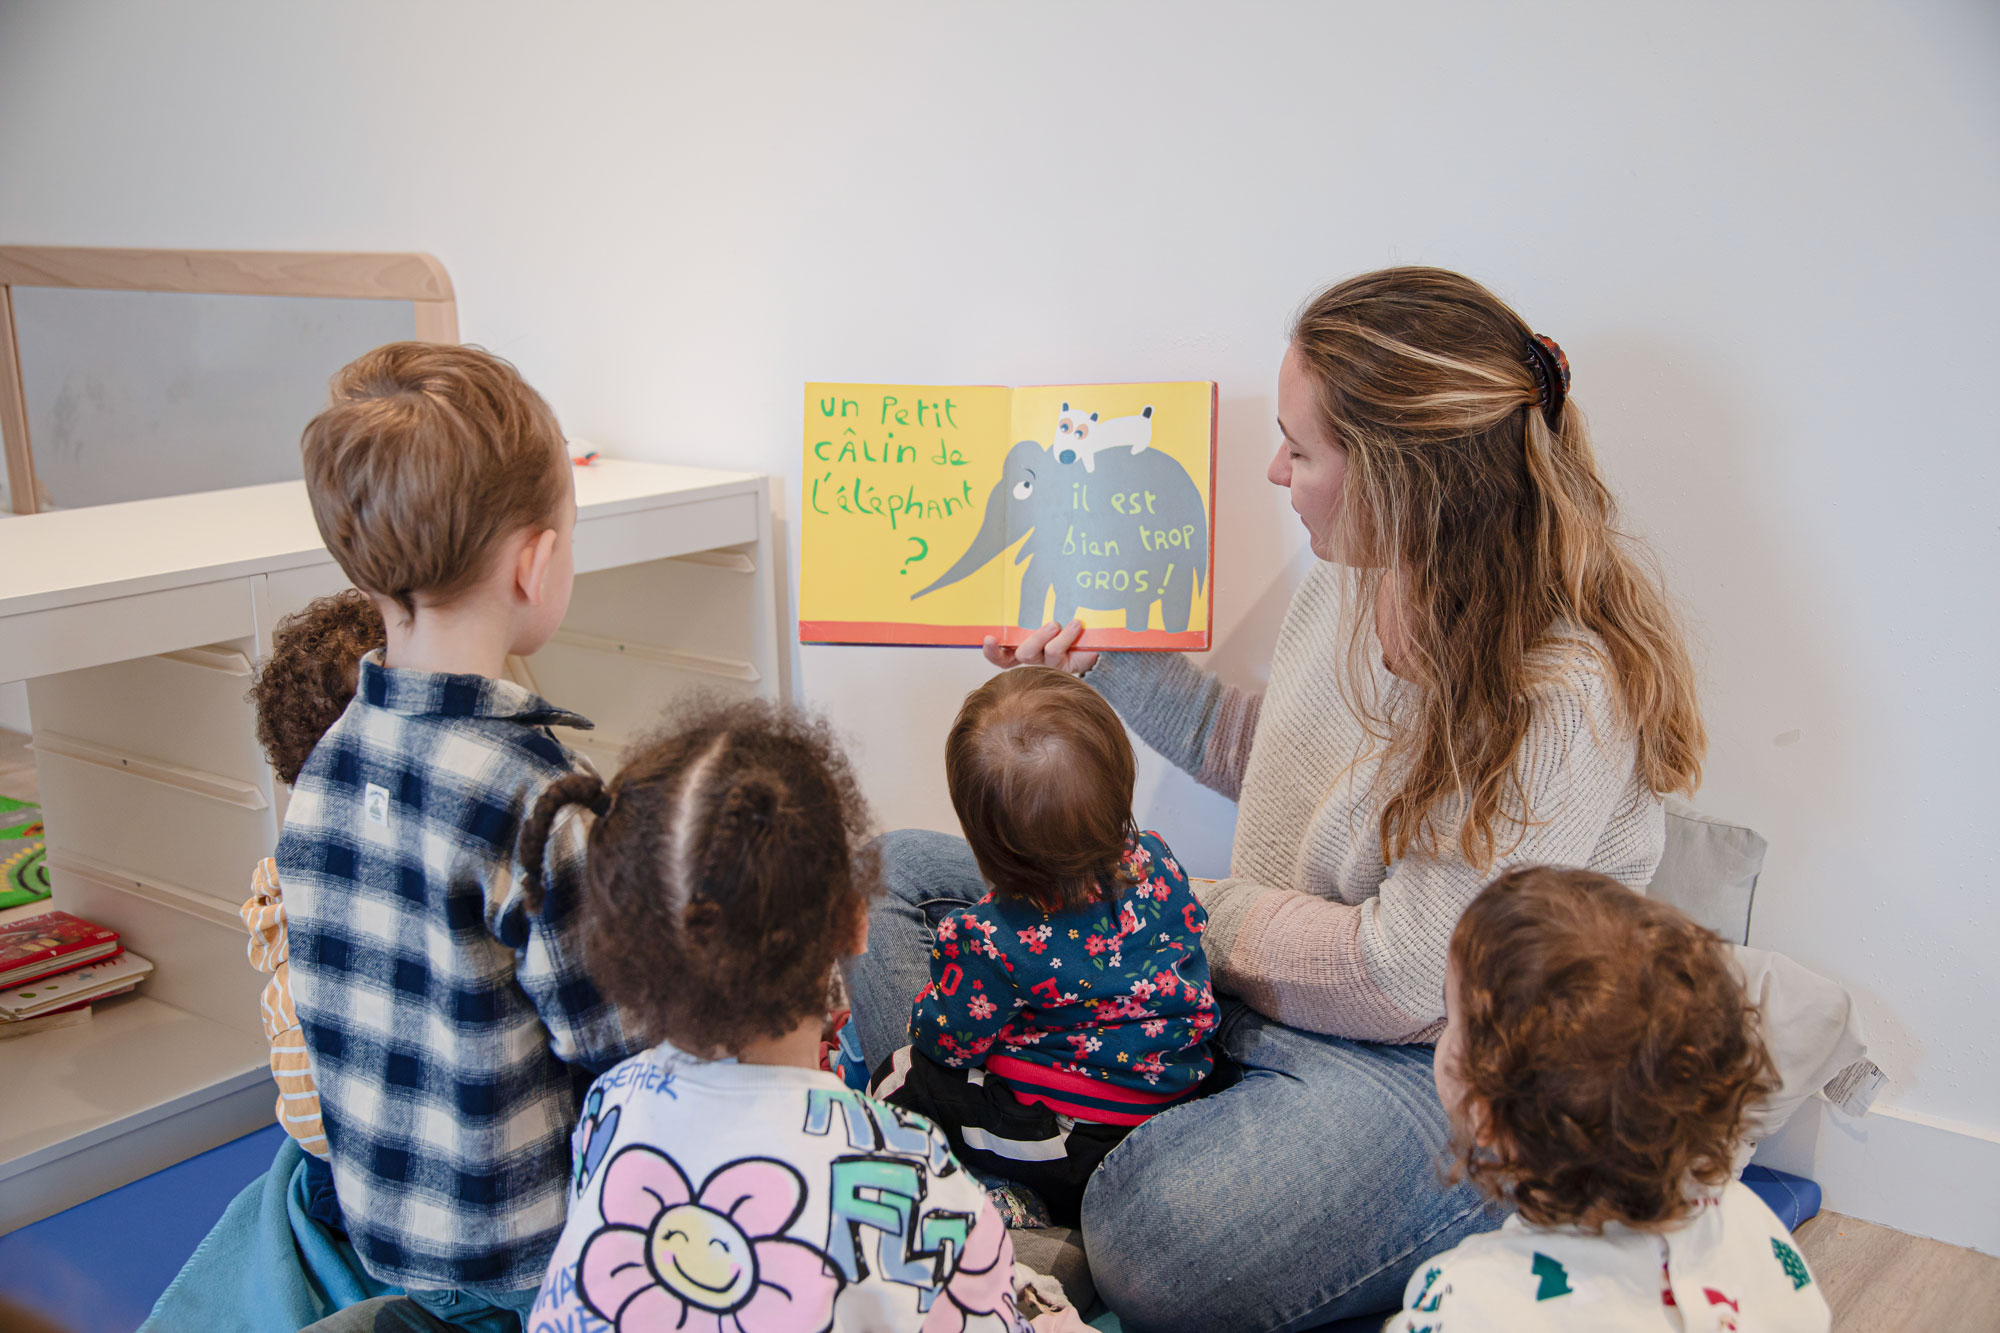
[(1050, 645), (1057, 652), (1033, 650)]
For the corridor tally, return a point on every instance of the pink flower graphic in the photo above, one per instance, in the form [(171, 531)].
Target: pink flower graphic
[(982, 1008), (983, 1282), (709, 1261), (947, 929)]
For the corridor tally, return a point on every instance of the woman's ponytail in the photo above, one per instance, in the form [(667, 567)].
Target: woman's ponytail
[(584, 789)]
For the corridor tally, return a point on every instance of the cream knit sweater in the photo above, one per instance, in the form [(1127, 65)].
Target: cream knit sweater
[(1311, 927)]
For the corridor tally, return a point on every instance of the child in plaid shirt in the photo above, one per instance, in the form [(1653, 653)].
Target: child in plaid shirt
[(449, 1022)]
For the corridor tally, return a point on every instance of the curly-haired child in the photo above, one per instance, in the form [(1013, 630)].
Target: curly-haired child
[(722, 1180), (1071, 1003), (302, 687), (1597, 1063)]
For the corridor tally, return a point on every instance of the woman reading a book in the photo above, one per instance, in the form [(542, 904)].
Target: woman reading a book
[(1478, 673)]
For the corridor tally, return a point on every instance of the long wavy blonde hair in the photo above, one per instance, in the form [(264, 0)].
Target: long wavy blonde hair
[(1500, 535)]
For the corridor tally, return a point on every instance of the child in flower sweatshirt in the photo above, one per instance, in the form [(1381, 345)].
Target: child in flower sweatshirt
[(1073, 1001)]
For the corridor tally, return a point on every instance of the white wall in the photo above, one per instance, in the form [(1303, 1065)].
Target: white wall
[(1764, 234)]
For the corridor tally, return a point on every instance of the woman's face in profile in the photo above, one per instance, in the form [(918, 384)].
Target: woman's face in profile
[(1309, 463)]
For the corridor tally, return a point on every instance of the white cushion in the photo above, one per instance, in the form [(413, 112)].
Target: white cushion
[(1709, 869)]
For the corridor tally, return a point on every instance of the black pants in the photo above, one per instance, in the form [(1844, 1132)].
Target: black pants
[(996, 1133)]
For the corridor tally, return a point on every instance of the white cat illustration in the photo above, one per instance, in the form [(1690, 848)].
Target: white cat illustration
[(1081, 435)]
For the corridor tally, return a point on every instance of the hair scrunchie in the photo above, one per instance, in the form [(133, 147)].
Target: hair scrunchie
[(1551, 369), (600, 804)]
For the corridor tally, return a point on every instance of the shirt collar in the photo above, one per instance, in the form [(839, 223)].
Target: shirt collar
[(443, 694)]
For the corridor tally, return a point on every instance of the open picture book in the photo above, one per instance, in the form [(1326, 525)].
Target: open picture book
[(944, 514)]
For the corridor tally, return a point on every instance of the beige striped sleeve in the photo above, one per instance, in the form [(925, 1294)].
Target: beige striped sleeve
[(298, 1096)]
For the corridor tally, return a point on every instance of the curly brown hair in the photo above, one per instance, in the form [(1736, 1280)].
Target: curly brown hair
[(726, 871), (310, 676), (1609, 1046), (1041, 776)]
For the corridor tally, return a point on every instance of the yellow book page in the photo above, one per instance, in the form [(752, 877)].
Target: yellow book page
[(1115, 496), (895, 481)]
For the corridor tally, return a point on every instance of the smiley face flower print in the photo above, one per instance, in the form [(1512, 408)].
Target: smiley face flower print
[(713, 1260)]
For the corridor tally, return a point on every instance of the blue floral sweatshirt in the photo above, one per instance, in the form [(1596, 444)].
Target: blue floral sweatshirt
[(1101, 1012)]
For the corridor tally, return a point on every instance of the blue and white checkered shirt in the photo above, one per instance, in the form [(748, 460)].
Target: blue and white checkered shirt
[(451, 1031)]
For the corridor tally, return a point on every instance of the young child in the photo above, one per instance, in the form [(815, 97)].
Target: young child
[(722, 1180), (1072, 1002), (304, 685), (1597, 1061), (443, 1011)]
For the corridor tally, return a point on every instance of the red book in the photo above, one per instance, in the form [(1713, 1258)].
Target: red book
[(41, 946)]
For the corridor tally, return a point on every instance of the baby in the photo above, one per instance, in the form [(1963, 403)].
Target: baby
[(1598, 1058), (1072, 1002)]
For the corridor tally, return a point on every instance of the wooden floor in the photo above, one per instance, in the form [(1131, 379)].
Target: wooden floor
[(1877, 1280), (1883, 1281)]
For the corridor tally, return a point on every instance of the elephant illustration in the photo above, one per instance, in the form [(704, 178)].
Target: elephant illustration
[(1126, 535)]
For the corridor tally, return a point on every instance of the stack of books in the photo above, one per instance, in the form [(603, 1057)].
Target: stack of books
[(54, 966)]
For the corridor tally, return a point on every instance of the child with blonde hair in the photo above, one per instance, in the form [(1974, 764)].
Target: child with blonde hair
[(1599, 1059), (450, 1024)]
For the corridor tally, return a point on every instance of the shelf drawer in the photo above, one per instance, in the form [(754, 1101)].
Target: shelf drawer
[(187, 708), (157, 830)]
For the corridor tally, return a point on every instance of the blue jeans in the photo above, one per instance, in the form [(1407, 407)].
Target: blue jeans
[(1306, 1193)]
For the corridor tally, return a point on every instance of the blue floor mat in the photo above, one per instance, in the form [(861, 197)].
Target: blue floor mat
[(98, 1267)]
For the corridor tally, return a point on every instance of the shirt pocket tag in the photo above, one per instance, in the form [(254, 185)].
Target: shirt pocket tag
[(375, 801)]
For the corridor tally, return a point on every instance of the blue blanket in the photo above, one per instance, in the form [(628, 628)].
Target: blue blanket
[(266, 1267)]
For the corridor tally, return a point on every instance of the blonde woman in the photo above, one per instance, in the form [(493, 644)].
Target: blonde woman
[(1479, 673)]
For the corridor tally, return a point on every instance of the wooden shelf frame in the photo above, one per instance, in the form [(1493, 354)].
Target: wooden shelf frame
[(335, 274)]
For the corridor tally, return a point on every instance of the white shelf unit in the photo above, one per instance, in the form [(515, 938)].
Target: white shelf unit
[(137, 627)]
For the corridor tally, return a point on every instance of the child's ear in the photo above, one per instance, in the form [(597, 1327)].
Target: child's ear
[(854, 928), (531, 566)]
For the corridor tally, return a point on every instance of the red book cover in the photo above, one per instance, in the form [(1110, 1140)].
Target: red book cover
[(40, 946)]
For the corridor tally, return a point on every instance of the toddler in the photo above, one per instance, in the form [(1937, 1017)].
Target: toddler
[(449, 1021), (1072, 1002), (304, 684), (1598, 1058), (722, 1180)]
